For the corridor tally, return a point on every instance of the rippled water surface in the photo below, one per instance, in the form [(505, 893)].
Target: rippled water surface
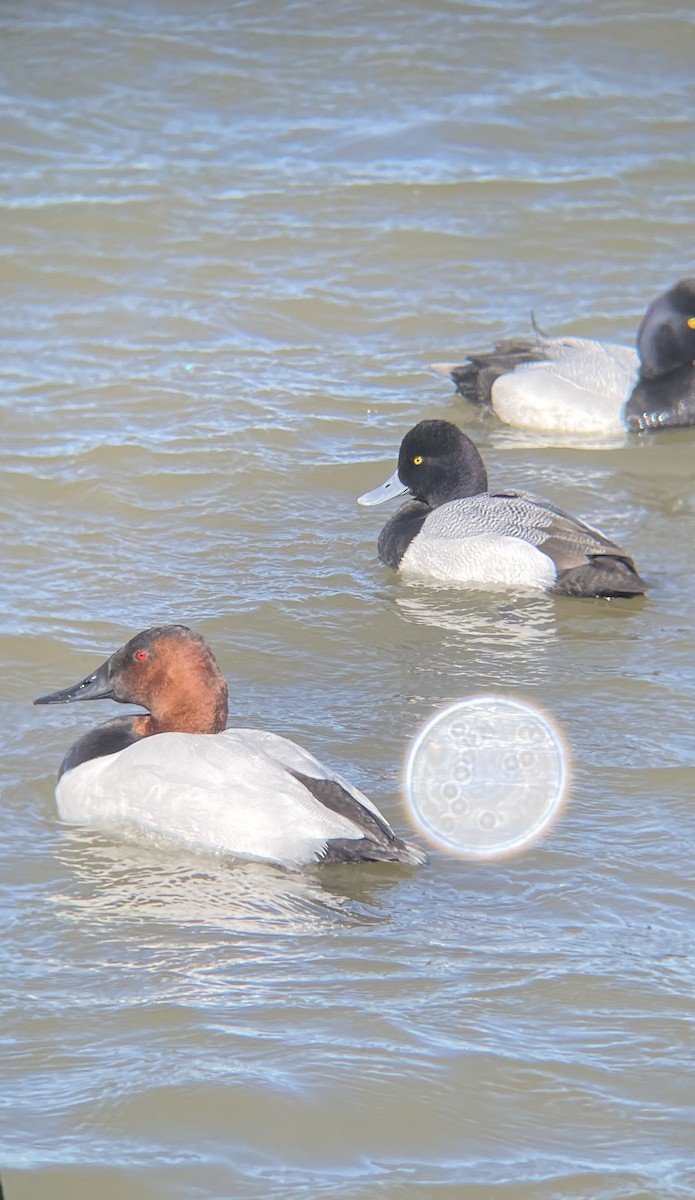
[(233, 235)]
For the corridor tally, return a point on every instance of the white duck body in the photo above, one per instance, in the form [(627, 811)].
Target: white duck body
[(580, 387), (498, 538), (229, 792), (443, 553)]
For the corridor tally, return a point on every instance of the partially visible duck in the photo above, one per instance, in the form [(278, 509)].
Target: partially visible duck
[(178, 771), (576, 385), (454, 530)]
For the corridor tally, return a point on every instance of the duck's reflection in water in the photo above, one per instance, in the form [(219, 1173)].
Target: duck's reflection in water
[(148, 879), (506, 637)]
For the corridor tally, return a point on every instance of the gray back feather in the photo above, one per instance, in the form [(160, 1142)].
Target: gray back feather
[(602, 367), (568, 541)]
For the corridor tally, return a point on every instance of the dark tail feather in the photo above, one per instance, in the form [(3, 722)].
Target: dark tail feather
[(605, 575), (474, 378), (536, 327), (365, 850), (379, 844)]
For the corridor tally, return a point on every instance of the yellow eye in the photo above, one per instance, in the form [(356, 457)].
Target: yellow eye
[(690, 322), (417, 460)]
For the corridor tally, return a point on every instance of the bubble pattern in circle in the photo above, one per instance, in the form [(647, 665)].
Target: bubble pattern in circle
[(486, 776)]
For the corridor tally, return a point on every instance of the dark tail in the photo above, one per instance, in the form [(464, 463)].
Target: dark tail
[(339, 850), (605, 575), (379, 843), (474, 378)]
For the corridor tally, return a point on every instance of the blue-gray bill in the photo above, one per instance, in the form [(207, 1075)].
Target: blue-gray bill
[(386, 491)]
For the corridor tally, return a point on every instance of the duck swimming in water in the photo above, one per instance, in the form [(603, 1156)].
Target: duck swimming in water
[(176, 770), (454, 530), (577, 385)]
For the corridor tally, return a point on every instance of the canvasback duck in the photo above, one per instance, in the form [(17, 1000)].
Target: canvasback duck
[(178, 771), (577, 385), (454, 530)]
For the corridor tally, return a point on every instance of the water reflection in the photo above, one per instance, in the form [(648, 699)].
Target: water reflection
[(515, 625), (147, 879), (481, 424)]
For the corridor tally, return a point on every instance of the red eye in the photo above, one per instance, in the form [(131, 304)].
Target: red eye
[(141, 655)]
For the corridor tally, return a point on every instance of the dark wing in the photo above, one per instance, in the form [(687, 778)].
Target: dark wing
[(379, 844)]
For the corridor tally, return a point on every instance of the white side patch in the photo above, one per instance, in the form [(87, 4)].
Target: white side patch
[(540, 400), (228, 792), (581, 389), (484, 560)]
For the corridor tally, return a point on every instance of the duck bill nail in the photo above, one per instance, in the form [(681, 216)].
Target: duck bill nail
[(96, 686), (392, 487)]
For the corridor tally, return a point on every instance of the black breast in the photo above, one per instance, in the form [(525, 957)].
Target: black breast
[(108, 738), (400, 531), (663, 402)]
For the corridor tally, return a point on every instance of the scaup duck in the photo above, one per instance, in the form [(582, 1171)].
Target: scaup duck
[(176, 770), (454, 530), (577, 385)]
